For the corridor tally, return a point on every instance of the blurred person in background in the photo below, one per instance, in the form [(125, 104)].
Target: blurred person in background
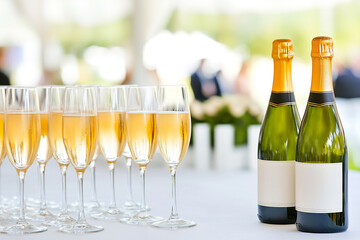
[(226, 83), (347, 82), (4, 79), (203, 85)]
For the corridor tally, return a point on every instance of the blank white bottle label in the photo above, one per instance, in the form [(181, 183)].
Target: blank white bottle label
[(319, 187), (276, 183)]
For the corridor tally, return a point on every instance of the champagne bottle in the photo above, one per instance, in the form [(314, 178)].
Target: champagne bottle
[(277, 143), (321, 161)]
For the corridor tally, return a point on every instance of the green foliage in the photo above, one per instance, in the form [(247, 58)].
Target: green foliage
[(346, 33), (75, 39), (253, 29), (256, 31)]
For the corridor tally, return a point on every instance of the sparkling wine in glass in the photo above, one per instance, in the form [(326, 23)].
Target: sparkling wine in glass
[(174, 129), (80, 140), (130, 206), (22, 138), (141, 136), (92, 206), (111, 139), (55, 130), (43, 156)]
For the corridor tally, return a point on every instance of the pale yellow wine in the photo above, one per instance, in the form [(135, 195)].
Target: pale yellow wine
[(173, 129), (45, 152), (141, 136), (2, 138), (23, 133), (56, 139), (79, 135), (111, 135)]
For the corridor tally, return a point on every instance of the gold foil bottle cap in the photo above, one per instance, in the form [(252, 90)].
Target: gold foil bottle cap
[(322, 47), (282, 49)]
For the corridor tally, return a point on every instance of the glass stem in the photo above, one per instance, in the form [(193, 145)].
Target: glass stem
[(81, 216), (174, 212), (112, 204), (21, 219), (63, 169), (93, 183), (42, 191), (143, 211), (129, 195)]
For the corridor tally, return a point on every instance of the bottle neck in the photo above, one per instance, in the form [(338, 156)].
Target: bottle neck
[(282, 76), (321, 80)]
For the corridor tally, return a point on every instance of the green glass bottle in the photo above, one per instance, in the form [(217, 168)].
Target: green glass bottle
[(277, 143), (321, 161)]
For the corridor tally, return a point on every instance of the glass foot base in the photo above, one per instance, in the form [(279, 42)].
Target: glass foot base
[(173, 224), (64, 219), (45, 217), (53, 205), (23, 228), (112, 215), (147, 208), (80, 228), (130, 206), (90, 207), (140, 220)]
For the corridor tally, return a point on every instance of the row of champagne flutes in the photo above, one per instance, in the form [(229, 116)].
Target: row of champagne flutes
[(38, 209), (71, 123)]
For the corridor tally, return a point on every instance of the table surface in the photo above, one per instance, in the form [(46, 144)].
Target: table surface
[(222, 203)]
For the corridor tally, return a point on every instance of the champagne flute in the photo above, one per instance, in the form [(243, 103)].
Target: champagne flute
[(111, 139), (142, 140), (93, 206), (174, 130), (80, 140), (58, 148), (3, 215), (23, 133), (43, 156)]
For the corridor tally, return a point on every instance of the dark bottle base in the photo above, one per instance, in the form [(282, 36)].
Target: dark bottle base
[(321, 222), (277, 215)]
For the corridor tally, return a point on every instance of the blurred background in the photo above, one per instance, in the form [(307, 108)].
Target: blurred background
[(221, 49)]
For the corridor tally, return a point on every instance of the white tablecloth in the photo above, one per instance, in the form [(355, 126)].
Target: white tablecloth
[(222, 203)]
